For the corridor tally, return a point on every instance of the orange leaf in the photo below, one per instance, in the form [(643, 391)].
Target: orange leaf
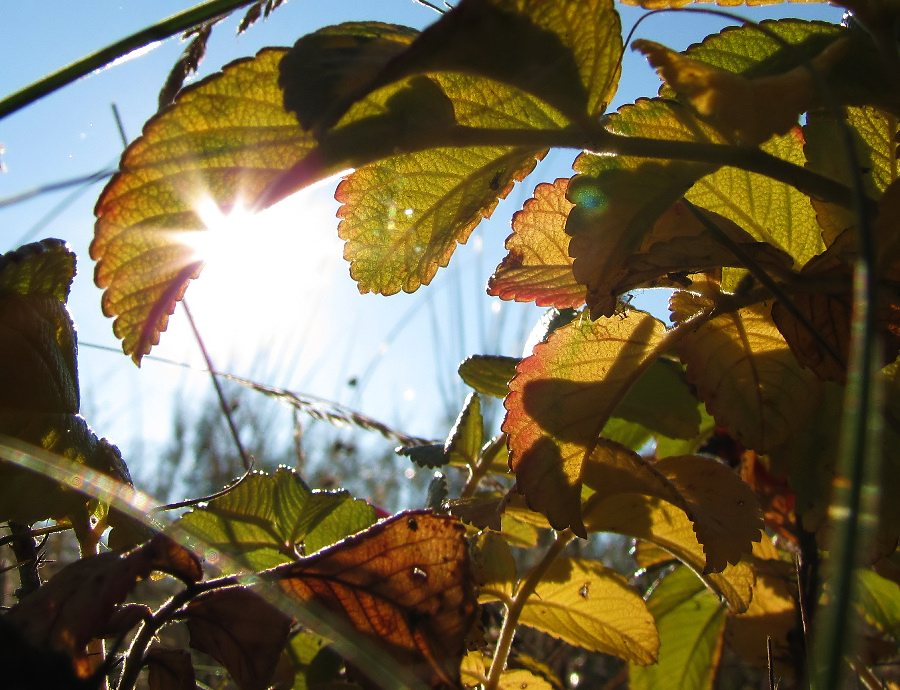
[(538, 267), (403, 584), (561, 398)]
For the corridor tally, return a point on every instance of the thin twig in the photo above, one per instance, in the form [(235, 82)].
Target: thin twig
[(220, 394)]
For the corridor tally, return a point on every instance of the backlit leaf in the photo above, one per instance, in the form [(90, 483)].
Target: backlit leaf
[(520, 679), (403, 217), (772, 612), (464, 442), (723, 510), (225, 139), (874, 133), (241, 631), (40, 268), (747, 110), (690, 622), (669, 527), (494, 567), (878, 599), (566, 54), (661, 4), (662, 401), (27, 496), (770, 211), (560, 400), (269, 519), (590, 606), (618, 199), (489, 374), (538, 267), (403, 584), (748, 377), (326, 67)]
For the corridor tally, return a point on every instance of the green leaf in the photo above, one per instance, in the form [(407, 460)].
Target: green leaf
[(691, 623), (590, 606), (768, 210), (225, 139), (618, 199), (878, 599), (271, 519), (874, 133), (566, 55), (662, 401), (403, 217), (489, 374), (562, 397), (28, 497), (314, 661), (746, 374), (463, 445), (494, 567), (40, 268), (538, 267), (327, 66)]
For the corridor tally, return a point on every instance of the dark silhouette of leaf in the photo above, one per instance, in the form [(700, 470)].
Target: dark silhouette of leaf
[(327, 66), (403, 584), (241, 631), (77, 604), (170, 669), (40, 268)]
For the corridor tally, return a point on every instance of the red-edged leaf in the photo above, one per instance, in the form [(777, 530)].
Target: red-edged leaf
[(560, 399)]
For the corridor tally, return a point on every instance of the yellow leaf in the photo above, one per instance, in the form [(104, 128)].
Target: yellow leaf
[(590, 606), (226, 138), (560, 400), (494, 567), (768, 210), (669, 527), (520, 679), (748, 377), (618, 199), (747, 110)]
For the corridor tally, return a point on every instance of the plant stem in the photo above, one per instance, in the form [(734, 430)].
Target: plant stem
[(151, 34), (27, 558), (514, 611), (481, 468)]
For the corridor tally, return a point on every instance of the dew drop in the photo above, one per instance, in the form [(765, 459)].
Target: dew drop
[(583, 592), (419, 574)]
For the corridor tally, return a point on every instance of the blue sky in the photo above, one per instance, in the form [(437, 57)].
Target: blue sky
[(317, 331)]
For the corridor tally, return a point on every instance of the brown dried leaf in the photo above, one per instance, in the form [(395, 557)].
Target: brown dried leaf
[(403, 584)]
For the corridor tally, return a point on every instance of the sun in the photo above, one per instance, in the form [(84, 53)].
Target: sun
[(265, 274)]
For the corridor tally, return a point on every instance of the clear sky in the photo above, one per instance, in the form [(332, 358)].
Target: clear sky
[(299, 323)]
